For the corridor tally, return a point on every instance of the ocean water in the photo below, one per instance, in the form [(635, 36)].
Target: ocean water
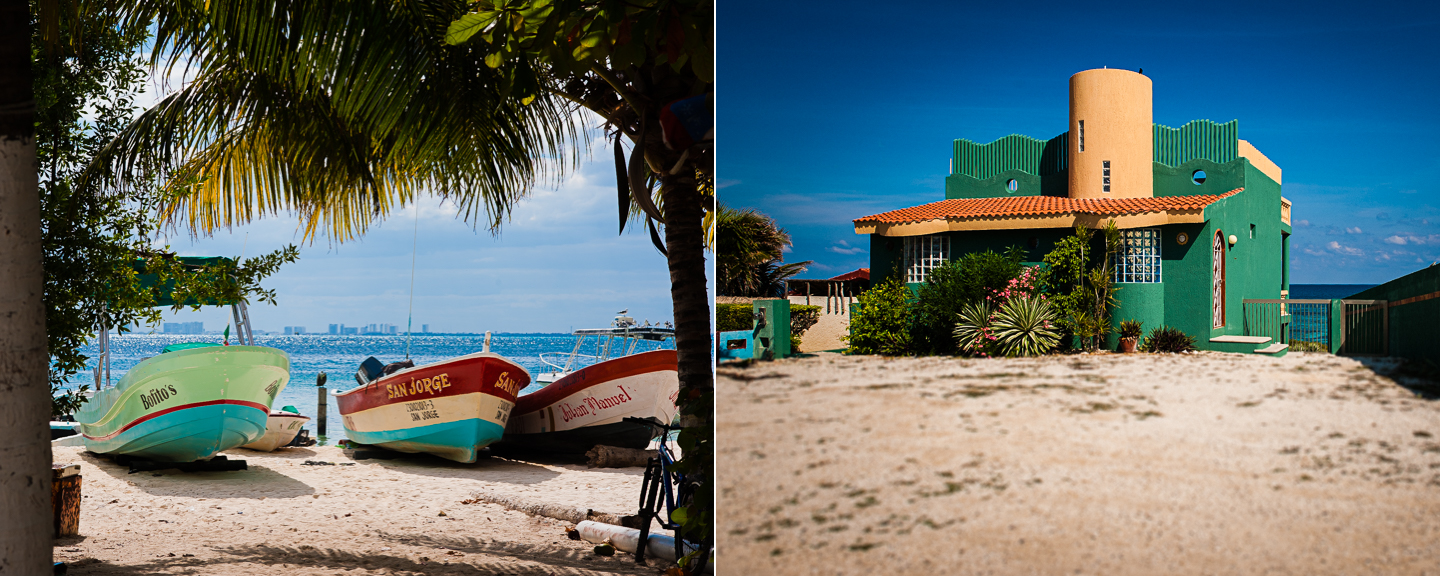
[(1327, 291), (340, 356)]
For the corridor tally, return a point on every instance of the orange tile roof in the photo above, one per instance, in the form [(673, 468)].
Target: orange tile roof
[(1012, 206)]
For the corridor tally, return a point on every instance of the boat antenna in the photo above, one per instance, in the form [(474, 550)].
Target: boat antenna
[(414, 246)]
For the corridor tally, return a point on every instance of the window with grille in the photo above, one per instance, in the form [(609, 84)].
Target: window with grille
[(923, 254), (1139, 258), (1107, 175)]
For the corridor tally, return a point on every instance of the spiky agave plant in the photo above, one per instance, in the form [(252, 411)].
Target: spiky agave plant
[(972, 332), (1025, 326)]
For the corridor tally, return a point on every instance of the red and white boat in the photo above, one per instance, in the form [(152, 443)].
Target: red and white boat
[(586, 406), (451, 408)]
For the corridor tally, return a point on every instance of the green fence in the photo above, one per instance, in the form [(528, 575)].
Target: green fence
[(1412, 313)]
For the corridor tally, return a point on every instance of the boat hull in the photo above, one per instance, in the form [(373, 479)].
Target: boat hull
[(280, 429), (588, 407), (450, 409), (187, 405)]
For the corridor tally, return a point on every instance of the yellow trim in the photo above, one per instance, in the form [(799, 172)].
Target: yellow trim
[(1067, 220), (1259, 161)]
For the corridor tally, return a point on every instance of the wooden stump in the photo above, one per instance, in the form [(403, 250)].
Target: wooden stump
[(612, 457), (65, 496)]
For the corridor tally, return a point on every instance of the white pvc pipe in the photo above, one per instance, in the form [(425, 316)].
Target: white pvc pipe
[(625, 540)]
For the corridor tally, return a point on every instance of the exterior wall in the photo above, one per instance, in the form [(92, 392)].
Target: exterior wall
[(1115, 106), (1254, 268)]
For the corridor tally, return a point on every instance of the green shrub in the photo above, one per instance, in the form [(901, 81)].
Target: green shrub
[(882, 323), (972, 333), (1131, 329), (794, 344), (1026, 326), (971, 277), (1167, 339), (1307, 346), (802, 317), (732, 317)]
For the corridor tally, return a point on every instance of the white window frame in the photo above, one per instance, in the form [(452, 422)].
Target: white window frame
[(923, 254), (1138, 261)]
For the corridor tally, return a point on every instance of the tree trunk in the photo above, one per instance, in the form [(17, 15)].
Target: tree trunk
[(685, 243), (25, 476)]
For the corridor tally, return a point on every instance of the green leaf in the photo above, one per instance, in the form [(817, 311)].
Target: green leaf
[(468, 25), (593, 38), (679, 515), (494, 59)]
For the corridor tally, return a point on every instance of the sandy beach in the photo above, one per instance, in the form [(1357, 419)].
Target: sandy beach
[(401, 516), (1085, 464)]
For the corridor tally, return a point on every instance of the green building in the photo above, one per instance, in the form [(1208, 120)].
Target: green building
[(1200, 210)]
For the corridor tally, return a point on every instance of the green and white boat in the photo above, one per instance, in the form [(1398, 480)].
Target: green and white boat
[(188, 403)]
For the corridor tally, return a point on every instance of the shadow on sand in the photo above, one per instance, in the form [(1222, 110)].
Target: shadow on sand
[(465, 556), (1419, 376), (189, 484)]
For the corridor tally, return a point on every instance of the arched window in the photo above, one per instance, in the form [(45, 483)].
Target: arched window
[(1217, 304)]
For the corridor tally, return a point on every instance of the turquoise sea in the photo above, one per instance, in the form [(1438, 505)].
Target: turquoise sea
[(340, 356)]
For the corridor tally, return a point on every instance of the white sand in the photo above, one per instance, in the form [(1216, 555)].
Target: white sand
[(1137, 464), (376, 517)]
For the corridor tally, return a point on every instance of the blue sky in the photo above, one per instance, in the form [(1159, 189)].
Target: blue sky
[(556, 264), (839, 110)]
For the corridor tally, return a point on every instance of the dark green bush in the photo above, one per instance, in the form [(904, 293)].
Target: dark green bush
[(882, 323), (1167, 339), (731, 317), (802, 317), (968, 279)]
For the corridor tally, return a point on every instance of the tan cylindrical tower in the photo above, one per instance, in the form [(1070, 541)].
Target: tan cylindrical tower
[(1111, 121)]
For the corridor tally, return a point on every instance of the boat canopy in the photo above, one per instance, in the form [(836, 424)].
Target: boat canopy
[(148, 281), (656, 333)]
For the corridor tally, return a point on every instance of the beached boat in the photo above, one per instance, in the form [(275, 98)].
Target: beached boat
[(450, 409), (186, 404), (586, 405), (280, 428)]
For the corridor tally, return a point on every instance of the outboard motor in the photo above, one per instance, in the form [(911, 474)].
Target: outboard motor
[(370, 369), (394, 367)]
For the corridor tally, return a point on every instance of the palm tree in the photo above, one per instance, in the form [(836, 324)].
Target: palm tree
[(24, 451), (749, 254), (341, 111), (337, 111)]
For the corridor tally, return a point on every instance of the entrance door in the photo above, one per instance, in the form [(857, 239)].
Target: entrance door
[(1217, 304)]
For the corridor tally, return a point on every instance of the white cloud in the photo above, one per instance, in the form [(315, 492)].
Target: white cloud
[(846, 251), (722, 183), (1409, 238), (1354, 230), (1302, 223), (1346, 250)]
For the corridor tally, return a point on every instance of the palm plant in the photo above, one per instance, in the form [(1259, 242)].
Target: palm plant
[(1026, 326), (749, 252), (973, 331)]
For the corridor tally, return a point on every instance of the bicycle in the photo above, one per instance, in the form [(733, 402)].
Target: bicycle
[(664, 489)]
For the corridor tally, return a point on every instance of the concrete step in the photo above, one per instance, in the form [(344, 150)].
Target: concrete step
[(1239, 344), (1277, 350)]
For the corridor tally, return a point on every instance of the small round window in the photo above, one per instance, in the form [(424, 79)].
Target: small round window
[(1198, 177), (1012, 185)]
